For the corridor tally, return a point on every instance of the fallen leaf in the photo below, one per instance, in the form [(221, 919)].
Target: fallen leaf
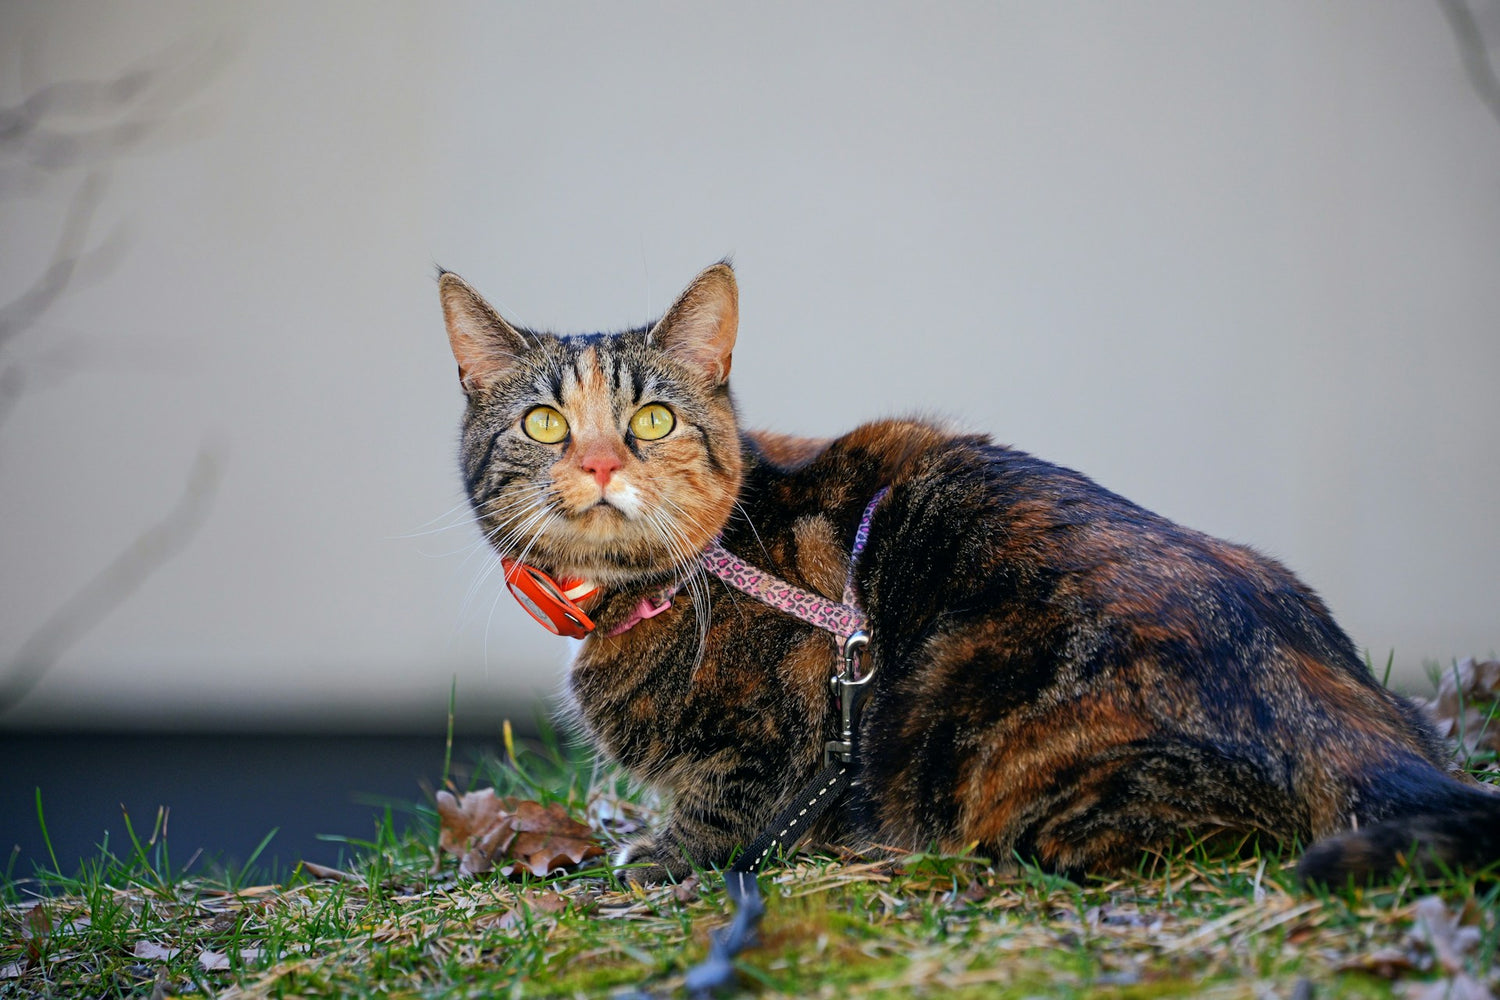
[(34, 931), (486, 831), (1460, 987), (1464, 708), (548, 839), (249, 890), (153, 951), (976, 892), (619, 816), (540, 904), (475, 828), (1387, 963), (1442, 934), (214, 961), (1301, 933), (546, 902), (324, 873), (687, 890)]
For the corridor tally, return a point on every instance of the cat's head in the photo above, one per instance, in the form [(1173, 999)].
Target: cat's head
[(609, 457)]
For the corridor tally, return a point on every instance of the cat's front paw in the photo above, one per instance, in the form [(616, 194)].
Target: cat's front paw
[(647, 863)]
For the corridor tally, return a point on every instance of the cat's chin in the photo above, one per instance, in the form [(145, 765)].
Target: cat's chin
[(586, 560), (611, 576)]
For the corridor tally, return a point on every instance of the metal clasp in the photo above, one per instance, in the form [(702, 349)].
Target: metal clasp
[(849, 687)]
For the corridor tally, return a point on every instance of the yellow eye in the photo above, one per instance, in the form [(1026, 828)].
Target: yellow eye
[(545, 424), (652, 421)]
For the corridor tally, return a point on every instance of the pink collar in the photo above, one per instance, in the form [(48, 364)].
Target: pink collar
[(651, 605), (843, 620)]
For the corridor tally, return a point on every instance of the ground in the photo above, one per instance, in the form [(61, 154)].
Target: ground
[(400, 919)]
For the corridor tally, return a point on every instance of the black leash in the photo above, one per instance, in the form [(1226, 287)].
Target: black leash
[(786, 830), (724, 943)]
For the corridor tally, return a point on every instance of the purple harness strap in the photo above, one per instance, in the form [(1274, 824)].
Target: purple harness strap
[(843, 620)]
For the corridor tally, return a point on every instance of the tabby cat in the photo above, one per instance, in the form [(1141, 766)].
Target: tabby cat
[(1060, 674)]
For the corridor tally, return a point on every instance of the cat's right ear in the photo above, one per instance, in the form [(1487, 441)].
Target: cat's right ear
[(484, 345)]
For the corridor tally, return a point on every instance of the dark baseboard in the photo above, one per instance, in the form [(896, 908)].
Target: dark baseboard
[(224, 793)]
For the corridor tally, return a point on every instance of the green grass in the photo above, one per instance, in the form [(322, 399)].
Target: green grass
[(1204, 921)]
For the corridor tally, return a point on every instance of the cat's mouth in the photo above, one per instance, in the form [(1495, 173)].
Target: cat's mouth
[(603, 506)]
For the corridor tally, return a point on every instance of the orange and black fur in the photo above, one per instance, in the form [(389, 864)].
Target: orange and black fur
[(1060, 674)]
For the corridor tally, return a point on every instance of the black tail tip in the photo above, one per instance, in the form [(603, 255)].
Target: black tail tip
[(1428, 847), (1340, 860)]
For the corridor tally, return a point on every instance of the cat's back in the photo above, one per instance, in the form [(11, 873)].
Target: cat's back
[(981, 526), (1042, 639)]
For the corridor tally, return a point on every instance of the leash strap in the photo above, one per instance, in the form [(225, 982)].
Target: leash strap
[(717, 970), (792, 824)]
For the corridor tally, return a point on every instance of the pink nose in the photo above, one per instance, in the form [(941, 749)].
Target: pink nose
[(601, 465)]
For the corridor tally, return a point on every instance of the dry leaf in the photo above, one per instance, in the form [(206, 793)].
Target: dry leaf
[(687, 890), (540, 904), (546, 902), (152, 950), (216, 961), (1442, 934), (1387, 963), (34, 931), (1460, 987), (618, 816), (475, 828), (484, 831), (324, 873), (1465, 706), (548, 839)]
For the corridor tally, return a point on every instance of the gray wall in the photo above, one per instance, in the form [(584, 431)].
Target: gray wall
[(1235, 261)]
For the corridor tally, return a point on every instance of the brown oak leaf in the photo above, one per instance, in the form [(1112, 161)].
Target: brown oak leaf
[(548, 839), (474, 828), (486, 831), (1465, 705)]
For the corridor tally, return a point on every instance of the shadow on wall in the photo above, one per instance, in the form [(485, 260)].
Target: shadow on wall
[(68, 135)]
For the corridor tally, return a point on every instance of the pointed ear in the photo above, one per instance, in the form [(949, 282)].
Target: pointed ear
[(700, 327), (484, 345)]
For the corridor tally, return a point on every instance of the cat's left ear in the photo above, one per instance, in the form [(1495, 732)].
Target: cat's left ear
[(484, 345), (700, 327)]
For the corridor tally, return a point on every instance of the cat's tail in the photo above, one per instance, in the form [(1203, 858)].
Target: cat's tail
[(1461, 832)]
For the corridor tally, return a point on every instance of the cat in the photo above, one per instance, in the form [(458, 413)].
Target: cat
[(1059, 674)]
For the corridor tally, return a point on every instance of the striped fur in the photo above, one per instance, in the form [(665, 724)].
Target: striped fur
[(1062, 675)]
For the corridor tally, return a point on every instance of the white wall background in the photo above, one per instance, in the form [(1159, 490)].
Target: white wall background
[(1240, 262)]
